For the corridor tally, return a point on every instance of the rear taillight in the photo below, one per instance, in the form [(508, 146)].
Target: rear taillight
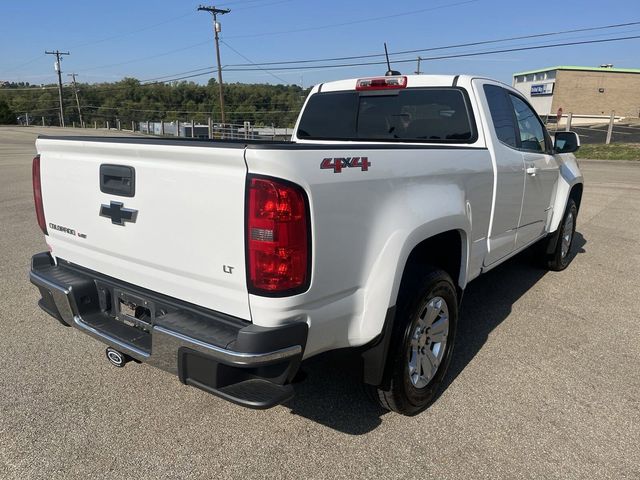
[(278, 244), (381, 83), (37, 193)]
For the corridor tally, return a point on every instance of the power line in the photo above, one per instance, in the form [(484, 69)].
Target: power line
[(243, 2), (149, 27), (355, 22), (356, 57), (447, 47), (251, 7), (106, 39), (208, 70), (58, 68), (27, 89), (361, 64), (248, 60), (262, 34), (443, 57), (257, 112), (28, 62), (149, 57)]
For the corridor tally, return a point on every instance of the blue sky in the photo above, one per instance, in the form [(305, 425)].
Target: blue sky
[(150, 39)]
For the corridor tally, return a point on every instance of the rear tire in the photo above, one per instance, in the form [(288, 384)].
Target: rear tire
[(422, 342), (560, 258)]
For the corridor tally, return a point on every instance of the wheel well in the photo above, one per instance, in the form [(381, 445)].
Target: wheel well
[(576, 194), (442, 251)]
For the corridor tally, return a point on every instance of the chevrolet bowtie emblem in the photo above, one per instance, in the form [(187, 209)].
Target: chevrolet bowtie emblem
[(118, 214)]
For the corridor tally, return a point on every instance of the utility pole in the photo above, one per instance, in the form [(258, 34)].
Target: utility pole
[(58, 68), (418, 72), (75, 91), (217, 28)]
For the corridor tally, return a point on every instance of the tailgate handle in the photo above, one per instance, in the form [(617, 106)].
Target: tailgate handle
[(118, 180)]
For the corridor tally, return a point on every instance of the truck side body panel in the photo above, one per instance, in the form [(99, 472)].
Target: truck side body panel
[(366, 223)]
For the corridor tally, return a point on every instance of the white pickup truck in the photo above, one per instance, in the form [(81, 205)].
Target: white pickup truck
[(229, 262)]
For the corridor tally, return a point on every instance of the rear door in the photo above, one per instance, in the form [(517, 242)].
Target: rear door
[(509, 171), (179, 231)]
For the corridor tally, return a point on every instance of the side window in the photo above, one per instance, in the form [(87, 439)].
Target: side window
[(501, 114), (531, 130)]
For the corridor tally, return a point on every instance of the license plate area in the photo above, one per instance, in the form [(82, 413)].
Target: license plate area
[(134, 310)]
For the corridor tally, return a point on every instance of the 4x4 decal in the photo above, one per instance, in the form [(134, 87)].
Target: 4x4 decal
[(337, 164)]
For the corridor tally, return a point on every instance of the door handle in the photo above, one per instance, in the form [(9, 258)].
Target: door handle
[(532, 171)]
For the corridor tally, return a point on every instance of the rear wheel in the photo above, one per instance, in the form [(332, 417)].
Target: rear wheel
[(422, 343)]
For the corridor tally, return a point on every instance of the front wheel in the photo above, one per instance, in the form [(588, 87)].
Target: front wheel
[(560, 258), (422, 344)]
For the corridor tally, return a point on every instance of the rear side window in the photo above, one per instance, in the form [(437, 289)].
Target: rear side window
[(330, 116), (501, 111), (416, 114)]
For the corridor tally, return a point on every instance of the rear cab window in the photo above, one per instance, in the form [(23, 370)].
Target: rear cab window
[(501, 115), (419, 114)]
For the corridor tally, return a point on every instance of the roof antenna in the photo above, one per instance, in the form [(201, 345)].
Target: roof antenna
[(390, 72)]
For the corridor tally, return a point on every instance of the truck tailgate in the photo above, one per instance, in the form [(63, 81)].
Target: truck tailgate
[(186, 237)]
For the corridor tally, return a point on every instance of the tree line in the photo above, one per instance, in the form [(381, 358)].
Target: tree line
[(130, 100)]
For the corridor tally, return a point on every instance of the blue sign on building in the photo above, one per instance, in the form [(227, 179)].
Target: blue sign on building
[(542, 89)]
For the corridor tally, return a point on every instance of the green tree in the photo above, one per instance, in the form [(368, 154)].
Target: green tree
[(7, 117), (129, 100)]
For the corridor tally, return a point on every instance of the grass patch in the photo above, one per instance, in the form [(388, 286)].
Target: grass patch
[(613, 151)]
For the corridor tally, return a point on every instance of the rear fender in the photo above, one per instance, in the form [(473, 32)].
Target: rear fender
[(385, 276), (375, 354)]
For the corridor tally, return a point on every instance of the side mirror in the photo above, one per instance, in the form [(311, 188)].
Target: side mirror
[(566, 142)]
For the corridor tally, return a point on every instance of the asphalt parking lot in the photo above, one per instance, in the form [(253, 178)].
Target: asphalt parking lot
[(545, 382), (622, 133)]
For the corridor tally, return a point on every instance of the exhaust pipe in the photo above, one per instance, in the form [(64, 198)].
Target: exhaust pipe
[(116, 358)]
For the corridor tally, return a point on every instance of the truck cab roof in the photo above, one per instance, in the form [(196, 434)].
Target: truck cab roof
[(412, 81)]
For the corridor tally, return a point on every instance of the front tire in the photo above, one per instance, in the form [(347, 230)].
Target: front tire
[(422, 343), (560, 258)]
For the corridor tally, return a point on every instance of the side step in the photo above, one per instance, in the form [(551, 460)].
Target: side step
[(253, 393)]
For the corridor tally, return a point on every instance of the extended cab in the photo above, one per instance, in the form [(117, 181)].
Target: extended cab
[(229, 262)]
